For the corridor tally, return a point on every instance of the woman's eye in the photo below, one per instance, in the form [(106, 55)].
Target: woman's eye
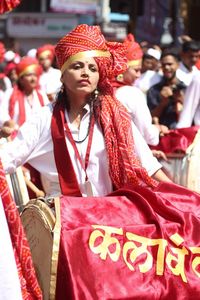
[(77, 66), (93, 69)]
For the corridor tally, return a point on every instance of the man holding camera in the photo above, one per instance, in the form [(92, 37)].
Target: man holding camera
[(165, 99)]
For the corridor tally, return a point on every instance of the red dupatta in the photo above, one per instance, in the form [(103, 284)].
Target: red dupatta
[(124, 167), (18, 96)]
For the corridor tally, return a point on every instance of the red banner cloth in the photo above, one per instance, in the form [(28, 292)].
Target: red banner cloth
[(132, 245), (177, 141), (29, 285), (8, 5)]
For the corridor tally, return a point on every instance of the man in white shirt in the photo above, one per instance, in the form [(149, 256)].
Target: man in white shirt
[(50, 78), (189, 58), (190, 114)]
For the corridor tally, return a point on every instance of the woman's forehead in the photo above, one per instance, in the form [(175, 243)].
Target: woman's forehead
[(85, 60)]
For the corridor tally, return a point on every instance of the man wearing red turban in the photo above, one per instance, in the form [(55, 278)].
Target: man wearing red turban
[(50, 77), (25, 97)]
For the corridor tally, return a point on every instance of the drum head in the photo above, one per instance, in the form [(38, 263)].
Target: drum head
[(38, 221)]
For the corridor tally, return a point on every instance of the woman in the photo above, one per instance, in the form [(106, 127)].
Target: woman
[(24, 98), (85, 138), (133, 98)]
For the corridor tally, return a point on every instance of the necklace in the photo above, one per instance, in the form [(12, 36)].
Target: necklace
[(88, 130)]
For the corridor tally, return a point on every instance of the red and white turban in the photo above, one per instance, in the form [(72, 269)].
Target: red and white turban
[(8, 5), (134, 51), (88, 41), (28, 65), (46, 51)]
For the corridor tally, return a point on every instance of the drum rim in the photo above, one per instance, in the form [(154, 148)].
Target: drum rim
[(41, 208)]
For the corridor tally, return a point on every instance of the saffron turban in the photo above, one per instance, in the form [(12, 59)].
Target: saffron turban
[(2, 52), (28, 65), (8, 5), (46, 51), (88, 41), (134, 51)]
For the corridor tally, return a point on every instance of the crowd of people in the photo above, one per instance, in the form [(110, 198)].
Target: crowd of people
[(86, 125)]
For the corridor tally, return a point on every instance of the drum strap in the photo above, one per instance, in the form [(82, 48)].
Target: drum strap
[(55, 250)]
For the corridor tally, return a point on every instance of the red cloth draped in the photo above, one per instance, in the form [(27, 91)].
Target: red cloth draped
[(124, 167), (18, 96), (29, 285), (177, 141), (7, 5), (149, 250)]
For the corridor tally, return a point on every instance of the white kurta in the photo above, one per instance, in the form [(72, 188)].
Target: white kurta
[(9, 284), (184, 75), (30, 108), (134, 100), (147, 80), (34, 145), (191, 104), (50, 81)]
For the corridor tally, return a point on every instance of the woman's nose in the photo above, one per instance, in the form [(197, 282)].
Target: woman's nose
[(84, 72)]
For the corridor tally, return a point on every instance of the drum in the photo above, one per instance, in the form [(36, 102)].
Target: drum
[(184, 169), (41, 221)]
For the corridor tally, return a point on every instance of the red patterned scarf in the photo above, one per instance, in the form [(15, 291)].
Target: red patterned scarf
[(18, 96), (124, 167)]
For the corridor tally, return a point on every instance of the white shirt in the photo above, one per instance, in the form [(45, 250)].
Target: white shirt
[(191, 104), (30, 108), (50, 81), (184, 75), (37, 149), (9, 284), (134, 100), (147, 80)]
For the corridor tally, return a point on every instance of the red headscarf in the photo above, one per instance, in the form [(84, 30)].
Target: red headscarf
[(134, 55), (46, 51), (25, 66), (134, 51), (8, 5), (88, 41)]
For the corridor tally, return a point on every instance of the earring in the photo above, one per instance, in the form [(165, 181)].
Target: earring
[(120, 77), (96, 94)]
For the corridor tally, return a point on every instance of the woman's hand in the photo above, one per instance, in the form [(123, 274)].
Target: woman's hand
[(159, 154), (8, 128)]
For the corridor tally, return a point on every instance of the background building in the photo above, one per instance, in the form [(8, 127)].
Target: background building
[(34, 23)]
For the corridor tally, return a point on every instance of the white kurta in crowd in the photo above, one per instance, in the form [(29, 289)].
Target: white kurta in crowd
[(34, 145), (184, 75), (134, 100), (30, 107), (50, 81), (147, 80), (9, 284), (191, 104)]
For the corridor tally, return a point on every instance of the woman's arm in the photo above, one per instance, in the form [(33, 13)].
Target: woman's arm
[(161, 176)]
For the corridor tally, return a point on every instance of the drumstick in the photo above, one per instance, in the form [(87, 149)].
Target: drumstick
[(33, 187)]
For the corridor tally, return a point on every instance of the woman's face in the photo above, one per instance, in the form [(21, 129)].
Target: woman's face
[(29, 81), (131, 74), (81, 77)]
